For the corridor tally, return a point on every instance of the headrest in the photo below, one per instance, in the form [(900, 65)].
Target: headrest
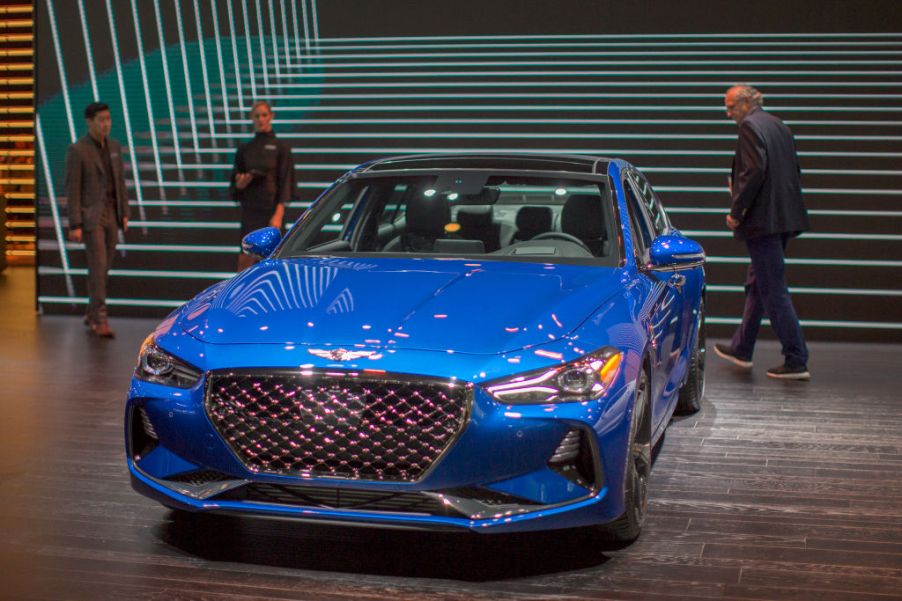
[(428, 214), (475, 217), (534, 220), (583, 217)]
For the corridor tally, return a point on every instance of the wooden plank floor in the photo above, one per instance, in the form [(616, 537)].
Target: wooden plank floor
[(773, 491)]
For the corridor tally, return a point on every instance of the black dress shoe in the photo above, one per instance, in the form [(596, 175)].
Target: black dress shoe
[(724, 352), (786, 372)]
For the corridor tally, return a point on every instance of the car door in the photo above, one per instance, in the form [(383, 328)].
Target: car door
[(666, 304)]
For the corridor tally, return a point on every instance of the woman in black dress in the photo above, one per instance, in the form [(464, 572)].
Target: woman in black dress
[(262, 179)]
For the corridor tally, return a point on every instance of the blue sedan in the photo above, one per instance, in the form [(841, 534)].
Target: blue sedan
[(492, 343)]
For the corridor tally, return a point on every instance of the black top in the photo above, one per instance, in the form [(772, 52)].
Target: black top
[(103, 151), (269, 160), (767, 188)]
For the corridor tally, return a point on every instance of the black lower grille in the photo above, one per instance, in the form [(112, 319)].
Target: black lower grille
[(198, 477), (331, 498), (336, 424)]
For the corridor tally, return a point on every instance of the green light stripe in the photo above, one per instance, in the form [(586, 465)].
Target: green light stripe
[(719, 85), (838, 213), (823, 262), (558, 73), (709, 108), (723, 123), (642, 44), (569, 63), (718, 96), (618, 36)]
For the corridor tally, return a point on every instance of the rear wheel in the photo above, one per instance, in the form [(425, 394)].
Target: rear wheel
[(690, 395), (626, 528)]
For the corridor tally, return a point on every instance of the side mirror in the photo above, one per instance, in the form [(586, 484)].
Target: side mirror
[(261, 242), (674, 252)]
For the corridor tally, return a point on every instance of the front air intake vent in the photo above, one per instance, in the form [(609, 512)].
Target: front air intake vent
[(575, 460)]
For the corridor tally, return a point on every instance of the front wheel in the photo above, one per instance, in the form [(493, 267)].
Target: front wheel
[(690, 395), (626, 528)]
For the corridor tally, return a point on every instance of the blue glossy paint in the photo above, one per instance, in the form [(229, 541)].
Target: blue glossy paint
[(473, 321)]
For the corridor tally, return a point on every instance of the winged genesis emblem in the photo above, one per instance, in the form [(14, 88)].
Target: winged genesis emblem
[(339, 354)]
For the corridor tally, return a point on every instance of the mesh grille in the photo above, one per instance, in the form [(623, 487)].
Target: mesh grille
[(336, 425)]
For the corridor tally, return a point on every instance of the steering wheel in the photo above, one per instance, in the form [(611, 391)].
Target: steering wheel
[(563, 236)]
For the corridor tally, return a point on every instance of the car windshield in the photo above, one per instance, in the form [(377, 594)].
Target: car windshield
[(470, 214)]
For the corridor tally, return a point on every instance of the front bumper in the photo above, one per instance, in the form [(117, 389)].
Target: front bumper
[(495, 477)]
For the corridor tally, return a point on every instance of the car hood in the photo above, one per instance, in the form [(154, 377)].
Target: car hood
[(426, 304)]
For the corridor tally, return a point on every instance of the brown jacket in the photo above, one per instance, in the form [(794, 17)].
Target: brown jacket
[(86, 183)]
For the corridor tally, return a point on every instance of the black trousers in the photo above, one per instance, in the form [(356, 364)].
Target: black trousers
[(100, 247), (766, 294)]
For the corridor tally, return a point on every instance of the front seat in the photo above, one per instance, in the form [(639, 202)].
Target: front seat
[(583, 217), (532, 221), (426, 218), (477, 223)]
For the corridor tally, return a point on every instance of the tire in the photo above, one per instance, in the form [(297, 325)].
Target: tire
[(626, 528), (691, 393)]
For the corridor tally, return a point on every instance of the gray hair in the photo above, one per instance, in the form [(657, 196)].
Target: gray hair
[(749, 94)]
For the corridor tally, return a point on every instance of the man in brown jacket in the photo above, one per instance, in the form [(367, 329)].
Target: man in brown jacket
[(98, 206)]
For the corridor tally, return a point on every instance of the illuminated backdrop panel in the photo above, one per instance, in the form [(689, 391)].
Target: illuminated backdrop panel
[(180, 76)]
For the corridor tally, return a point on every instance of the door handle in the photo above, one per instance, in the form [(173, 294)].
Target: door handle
[(677, 280)]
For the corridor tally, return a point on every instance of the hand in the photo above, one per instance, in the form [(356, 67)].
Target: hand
[(732, 223), (276, 222), (75, 234), (242, 180), (124, 224)]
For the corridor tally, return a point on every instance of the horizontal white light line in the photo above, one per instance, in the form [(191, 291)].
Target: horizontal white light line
[(596, 73), (826, 212), (146, 273), (605, 53), (723, 122), (342, 167), (117, 302), (810, 290), (823, 262), (620, 36), (806, 235), (398, 65), (784, 44), (720, 85), (603, 152), (818, 323), (199, 225), (579, 108), (534, 135), (717, 95)]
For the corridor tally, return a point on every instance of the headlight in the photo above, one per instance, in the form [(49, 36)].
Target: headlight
[(581, 380), (157, 366)]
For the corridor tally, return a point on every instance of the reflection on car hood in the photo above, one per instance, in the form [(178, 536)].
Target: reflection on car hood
[(430, 304)]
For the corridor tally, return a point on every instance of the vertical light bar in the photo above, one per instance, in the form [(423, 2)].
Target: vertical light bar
[(262, 42), (139, 193), (315, 22), (273, 40), (297, 33), (285, 34), (203, 71), (250, 54), (178, 20), (54, 209), (235, 62), (88, 51), (64, 85), (176, 143), (222, 80), (306, 31), (150, 117)]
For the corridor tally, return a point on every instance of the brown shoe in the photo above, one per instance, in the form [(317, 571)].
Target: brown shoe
[(102, 329)]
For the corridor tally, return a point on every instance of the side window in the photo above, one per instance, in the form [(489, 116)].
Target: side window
[(651, 203), (642, 232)]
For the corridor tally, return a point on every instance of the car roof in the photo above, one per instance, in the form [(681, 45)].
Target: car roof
[(568, 163)]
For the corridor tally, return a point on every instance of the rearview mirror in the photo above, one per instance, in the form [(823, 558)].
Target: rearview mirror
[(674, 252), (261, 242)]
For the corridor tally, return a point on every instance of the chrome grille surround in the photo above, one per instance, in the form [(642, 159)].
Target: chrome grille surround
[(352, 425)]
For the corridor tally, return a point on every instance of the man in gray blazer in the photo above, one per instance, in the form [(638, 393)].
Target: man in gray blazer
[(766, 211), (98, 206)]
